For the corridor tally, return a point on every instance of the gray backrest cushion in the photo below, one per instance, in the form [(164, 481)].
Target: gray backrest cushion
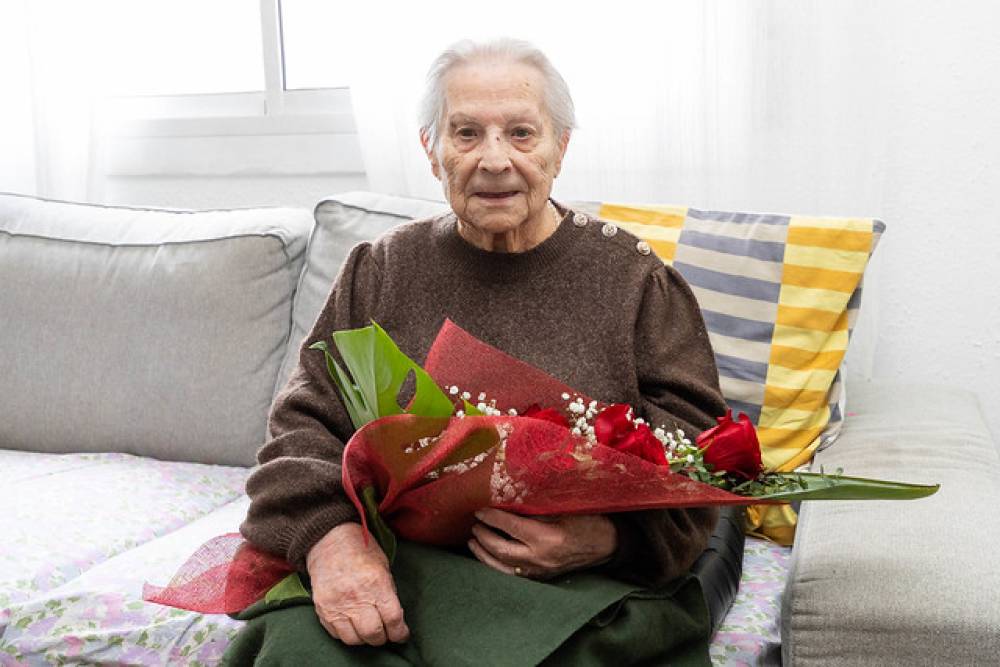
[(342, 222), (157, 333)]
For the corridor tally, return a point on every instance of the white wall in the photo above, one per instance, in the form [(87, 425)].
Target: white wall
[(888, 109)]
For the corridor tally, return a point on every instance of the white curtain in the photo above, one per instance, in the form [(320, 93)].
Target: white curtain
[(663, 91), (51, 80)]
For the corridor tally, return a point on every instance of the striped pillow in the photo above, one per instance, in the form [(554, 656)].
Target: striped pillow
[(780, 296)]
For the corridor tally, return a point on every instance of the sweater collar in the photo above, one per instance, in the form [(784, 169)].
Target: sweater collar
[(504, 266)]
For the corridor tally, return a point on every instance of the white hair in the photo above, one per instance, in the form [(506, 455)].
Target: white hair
[(558, 101)]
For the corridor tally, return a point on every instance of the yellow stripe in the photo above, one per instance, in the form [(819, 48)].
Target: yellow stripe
[(809, 339), (813, 379), (810, 318), (809, 276), (664, 216), (652, 232), (799, 359), (779, 445), (824, 258), (794, 420), (836, 239), (806, 297), (852, 224), (773, 522), (800, 399)]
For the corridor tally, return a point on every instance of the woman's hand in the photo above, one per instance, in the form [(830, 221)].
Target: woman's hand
[(542, 548), (353, 590)]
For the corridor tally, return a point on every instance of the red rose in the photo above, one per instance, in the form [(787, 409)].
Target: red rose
[(548, 414), (614, 428), (732, 446), (613, 423), (642, 443)]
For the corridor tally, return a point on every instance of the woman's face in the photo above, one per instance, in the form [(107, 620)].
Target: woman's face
[(497, 153)]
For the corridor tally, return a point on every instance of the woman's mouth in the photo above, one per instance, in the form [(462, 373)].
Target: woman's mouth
[(496, 195)]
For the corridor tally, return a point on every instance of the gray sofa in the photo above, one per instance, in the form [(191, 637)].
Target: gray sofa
[(140, 350)]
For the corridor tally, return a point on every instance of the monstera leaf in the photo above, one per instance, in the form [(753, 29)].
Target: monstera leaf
[(376, 371)]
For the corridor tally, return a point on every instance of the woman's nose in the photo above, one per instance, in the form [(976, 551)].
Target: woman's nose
[(494, 158)]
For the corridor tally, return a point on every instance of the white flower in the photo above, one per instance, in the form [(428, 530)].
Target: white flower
[(460, 413), (482, 407), (482, 396), (512, 412), (581, 423), (690, 458), (576, 408), (565, 396), (575, 431), (453, 390), (466, 395)]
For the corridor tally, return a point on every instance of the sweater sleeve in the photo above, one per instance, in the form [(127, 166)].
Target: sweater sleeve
[(296, 495), (679, 386)]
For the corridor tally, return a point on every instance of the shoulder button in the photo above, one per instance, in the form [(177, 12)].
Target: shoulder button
[(580, 220), (643, 248), (609, 230)]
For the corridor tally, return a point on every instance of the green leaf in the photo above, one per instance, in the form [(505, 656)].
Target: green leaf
[(288, 588), (377, 525), (376, 371), (834, 487), (471, 410), (353, 400), (23, 623)]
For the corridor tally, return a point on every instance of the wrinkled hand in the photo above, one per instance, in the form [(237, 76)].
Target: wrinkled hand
[(542, 548), (353, 590)]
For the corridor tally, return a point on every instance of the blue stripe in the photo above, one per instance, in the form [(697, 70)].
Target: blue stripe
[(724, 216), (738, 327), (726, 283), (741, 369), (769, 251), (751, 410)]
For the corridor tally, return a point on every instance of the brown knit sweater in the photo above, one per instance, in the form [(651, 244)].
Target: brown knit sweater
[(585, 306)]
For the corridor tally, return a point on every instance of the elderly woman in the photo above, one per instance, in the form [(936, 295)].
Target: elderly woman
[(584, 301)]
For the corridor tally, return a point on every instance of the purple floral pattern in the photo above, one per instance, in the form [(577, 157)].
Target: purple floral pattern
[(75, 592)]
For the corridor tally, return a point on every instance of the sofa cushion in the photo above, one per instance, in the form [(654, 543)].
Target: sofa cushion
[(342, 221), (779, 294), (152, 332), (901, 582)]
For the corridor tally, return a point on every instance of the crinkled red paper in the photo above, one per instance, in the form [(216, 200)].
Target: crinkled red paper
[(430, 484)]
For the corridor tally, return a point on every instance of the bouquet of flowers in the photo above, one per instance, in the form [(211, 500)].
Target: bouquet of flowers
[(484, 429)]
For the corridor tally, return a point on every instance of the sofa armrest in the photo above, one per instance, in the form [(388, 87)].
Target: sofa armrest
[(901, 582)]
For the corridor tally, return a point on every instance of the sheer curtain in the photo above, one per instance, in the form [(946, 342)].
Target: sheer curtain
[(664, 91)]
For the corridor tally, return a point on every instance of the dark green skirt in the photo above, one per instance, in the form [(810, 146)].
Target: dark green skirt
[(461, 612)]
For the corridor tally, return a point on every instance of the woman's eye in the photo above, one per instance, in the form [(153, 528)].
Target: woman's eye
[(467, 133), (522, 133)]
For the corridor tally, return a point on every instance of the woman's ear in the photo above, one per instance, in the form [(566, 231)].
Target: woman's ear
[(563, 145), (425, 141)]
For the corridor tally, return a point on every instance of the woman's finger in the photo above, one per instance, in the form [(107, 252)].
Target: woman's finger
[(368, 623), (487, 559), (520, 528), (510, 552), (392, 618), (343, 630)]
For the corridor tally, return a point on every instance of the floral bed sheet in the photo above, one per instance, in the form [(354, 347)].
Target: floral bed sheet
[(76, 597)]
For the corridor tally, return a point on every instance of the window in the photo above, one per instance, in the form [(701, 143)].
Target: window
[(315, 51)]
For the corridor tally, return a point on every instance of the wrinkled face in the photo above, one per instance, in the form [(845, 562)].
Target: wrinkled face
[(497, 152)]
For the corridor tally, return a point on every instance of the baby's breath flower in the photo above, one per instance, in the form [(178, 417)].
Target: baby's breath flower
[(576, 408), (565, 396), (482, 396), (466, 395), (453, 390), (512, 412)]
